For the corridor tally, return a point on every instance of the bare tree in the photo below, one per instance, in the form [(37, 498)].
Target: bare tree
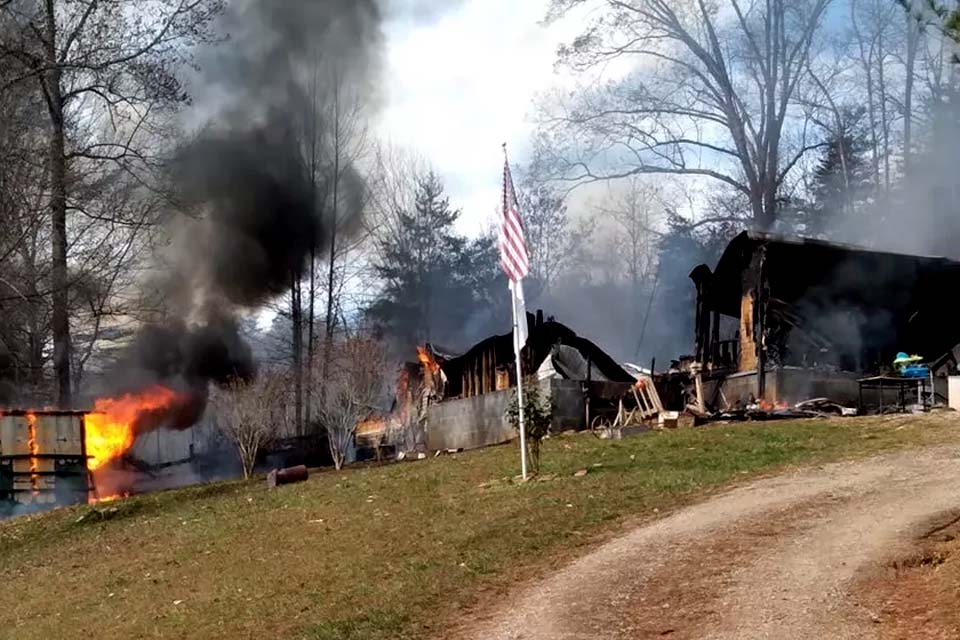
[(878, 39), (913, 41), (333, 140), (711, 95), (546, 226), (251, 414), (100, 63), (635, 211), (353, 390), (393, 188), (346, 199), (24, 315)]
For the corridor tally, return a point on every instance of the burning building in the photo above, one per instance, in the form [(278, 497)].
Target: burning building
[(54, 457), (464, 397), (782, 319)]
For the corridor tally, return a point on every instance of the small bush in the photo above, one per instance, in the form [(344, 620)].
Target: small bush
[(537, 416)]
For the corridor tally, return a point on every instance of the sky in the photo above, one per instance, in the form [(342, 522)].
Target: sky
[(462, 83)]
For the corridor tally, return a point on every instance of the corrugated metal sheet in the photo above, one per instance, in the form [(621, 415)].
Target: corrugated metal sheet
[(34, 479)]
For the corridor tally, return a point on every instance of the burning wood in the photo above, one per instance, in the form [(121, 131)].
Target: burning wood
[(766, 405), (371, 428), (113, 426), (111, 498), (427, 360), (50, 456), (434, 379)]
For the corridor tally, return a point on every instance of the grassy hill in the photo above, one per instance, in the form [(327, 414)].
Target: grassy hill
[(379, 552)]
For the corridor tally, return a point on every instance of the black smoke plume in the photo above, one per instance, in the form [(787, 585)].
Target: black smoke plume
[(262, 224), (260, 213)]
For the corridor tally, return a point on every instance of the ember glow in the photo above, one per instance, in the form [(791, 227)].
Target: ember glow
[(34, 450), (766, 405), (112, 427), (112, 498), (371, 427)]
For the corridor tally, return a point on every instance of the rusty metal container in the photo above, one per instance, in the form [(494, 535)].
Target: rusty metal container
[(289, 475)]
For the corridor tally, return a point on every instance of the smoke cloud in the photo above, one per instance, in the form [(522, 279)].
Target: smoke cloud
[(260, 211)]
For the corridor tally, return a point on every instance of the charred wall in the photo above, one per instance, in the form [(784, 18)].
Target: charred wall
[(807, 303)]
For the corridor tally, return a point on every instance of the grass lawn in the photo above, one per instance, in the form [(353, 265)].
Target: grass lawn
[(385, 552)]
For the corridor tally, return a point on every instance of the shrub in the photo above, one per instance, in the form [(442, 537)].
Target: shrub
[(537, 416)]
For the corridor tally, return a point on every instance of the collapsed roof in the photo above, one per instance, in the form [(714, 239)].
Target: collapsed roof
[(572, 356), (809, 297)]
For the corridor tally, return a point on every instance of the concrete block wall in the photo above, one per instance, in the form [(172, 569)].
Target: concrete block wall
[(480, 421), (470, 423), (789, 384)]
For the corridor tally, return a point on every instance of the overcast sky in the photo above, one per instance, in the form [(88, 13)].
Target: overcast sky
[(461, 83)]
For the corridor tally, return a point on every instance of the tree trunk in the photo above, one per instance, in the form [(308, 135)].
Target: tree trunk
[(248, 459), (874, 138), (34, 307), (317, 210), (534, 451), (336, 451), (60, 321), (330, 320), (884, 119), (311, 338), (296, 320), (913, 38)]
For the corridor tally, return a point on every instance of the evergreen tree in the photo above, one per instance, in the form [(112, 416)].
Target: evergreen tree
[(488, 285), (434, 280), (841, 180)]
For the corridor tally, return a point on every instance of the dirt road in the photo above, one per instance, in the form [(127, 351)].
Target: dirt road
[(780, 558)]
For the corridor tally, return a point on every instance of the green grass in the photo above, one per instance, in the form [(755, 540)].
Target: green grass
[(387, 552)]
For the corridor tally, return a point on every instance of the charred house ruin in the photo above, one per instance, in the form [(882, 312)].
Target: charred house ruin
[(782, 319), (460, 400)]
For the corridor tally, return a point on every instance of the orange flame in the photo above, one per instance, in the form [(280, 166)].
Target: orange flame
[(116, 496), (34, 450), (371, 425), (766, 405), (111, 429), (427, 360)]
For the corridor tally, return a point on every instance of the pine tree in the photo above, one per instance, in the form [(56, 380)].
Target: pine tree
[(841, 180), (426, 270)]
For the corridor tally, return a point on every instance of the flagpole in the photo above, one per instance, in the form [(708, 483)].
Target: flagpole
[(516, 351), (517, 347)]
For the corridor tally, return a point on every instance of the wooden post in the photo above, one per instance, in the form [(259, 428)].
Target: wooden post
[(760, 311), (698, 382), (483, 372), (714, 338)]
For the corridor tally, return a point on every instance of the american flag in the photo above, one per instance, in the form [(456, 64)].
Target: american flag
[(513, 252), (513, 247)]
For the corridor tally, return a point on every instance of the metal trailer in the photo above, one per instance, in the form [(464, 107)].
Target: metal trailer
[(43, 458)]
